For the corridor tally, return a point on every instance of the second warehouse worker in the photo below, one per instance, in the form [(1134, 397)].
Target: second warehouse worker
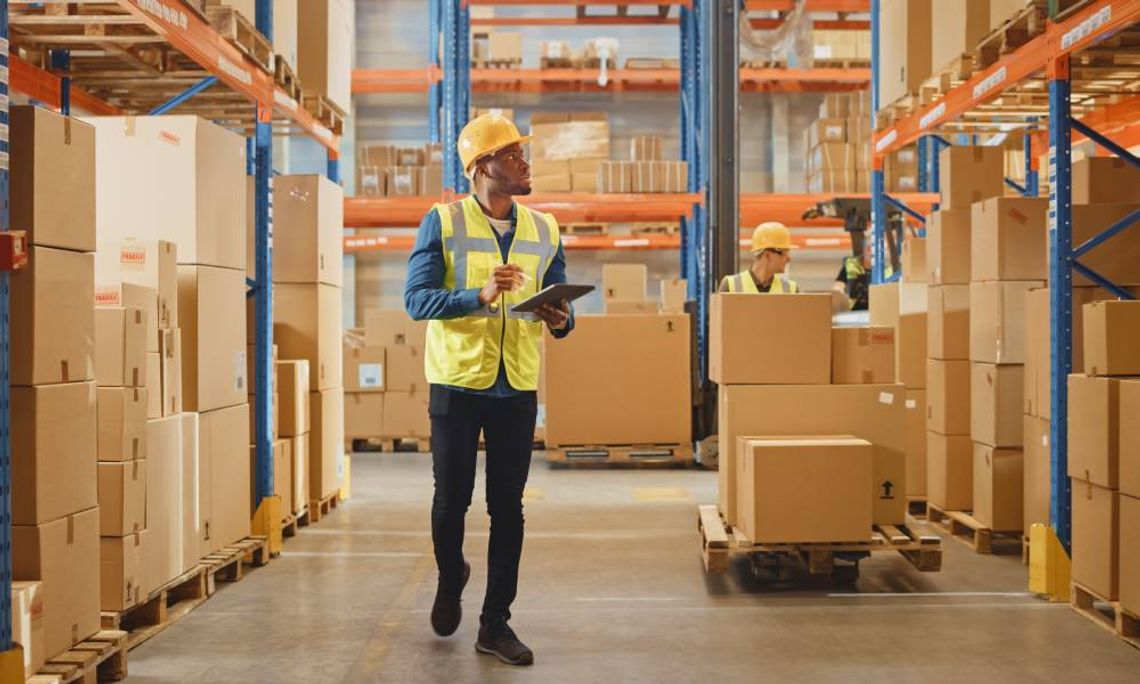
[(474, 259), (771, 253)]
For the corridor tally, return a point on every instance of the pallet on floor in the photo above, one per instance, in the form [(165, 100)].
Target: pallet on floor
[(324, 111), (720, 542), (295, 521), (621, 455), (970, 531), (420, 445), (916, 506), (100, 657), (1108, 614), (286, 78), (319, 508), (240, 32)]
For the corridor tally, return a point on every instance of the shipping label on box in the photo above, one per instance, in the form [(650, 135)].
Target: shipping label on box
[(364, 369), (827, 130)]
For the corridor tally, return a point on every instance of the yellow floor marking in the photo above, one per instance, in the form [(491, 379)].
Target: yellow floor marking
[(658, 494)]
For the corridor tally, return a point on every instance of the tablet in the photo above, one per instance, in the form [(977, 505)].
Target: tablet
[(553, 295)]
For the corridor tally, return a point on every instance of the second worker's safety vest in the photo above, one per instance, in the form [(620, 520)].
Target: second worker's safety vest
[(466, 351), (744, 282)]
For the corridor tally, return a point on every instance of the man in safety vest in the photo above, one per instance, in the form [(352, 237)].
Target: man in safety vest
[(474, 259), (771, 251), (854, 278)]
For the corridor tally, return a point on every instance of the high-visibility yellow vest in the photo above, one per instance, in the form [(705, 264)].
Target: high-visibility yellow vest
[(466, 352), (744, 282)]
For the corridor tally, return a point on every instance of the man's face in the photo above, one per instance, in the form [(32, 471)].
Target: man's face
[(507, 171), (777, 259)]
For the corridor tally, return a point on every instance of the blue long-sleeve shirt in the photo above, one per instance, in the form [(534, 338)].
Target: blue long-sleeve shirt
[(426, 298)]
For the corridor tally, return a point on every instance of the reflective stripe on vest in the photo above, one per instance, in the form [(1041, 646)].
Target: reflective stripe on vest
[(744, 282)]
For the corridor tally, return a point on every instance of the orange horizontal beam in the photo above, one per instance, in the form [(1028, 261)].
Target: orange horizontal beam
[(579, 3), (756, 208), (601, 20), (45, 86), (812, 5), (360, 244), (1119, 122)]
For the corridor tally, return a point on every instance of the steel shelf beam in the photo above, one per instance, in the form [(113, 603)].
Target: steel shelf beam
[(263, 288), (46, 87)]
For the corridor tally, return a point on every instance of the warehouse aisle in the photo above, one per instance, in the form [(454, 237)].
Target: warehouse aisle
[(612, 591)]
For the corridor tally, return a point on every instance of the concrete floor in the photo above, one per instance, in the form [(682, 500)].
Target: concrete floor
[(612, 590)]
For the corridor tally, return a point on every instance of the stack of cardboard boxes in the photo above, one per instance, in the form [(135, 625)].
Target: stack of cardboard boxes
[(567, 150), (293, 376), (801, 402), (646, 172), (389, 171), (837, 145), (54, 516), (363, 388), (405, 395), (308, 273), (905, 46), (325, 31), (502, 48), (846, 46)]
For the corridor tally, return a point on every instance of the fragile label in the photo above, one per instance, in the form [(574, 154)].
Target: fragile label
[(130, 255), (170, 138), (371, 375), (886, 398), (107, 297)]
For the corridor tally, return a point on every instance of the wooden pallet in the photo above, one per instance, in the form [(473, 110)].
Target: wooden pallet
[(584, 229), (324, 111), (970, 531), (624, 455), (1108, 614), (720, 542), (1016, 31), (655, 229), (101, 657), (848, 63), (556, 63), (241, 33), (916, 506), (284, 76), (198, 6), (635, 63), (319, 508), (496, 63), (622, 11), (420, 445)]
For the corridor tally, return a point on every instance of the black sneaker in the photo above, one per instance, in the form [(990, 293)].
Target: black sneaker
[(447, 612), (500, 641)]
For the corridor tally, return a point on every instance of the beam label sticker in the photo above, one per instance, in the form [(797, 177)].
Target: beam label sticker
[(166, 13), (990, 82), (1086, 28), (932, 116)]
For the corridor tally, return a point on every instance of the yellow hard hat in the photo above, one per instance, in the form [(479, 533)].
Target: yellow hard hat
[(485, 135), (771, 235)]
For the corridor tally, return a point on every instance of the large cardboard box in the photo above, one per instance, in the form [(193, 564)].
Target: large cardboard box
[(405, 369), (1129, 439), (294, 393), (624, 281), (53, 448), (745, 348), (164, 500), (130, 296), (121, 423), (212, 308), (299, 472), (170, 363), (914, 268), (997, 320), (949, 471), (1129, 545), (1096, 532), (824, 131), (185, 183), (1095, 421), (888, 302), (998, 487), (910, 350), (122, 571), (326, 444), (915, 442), (307, 325), (1115, 259), (308, 230), (282, 475), (948, 246), (862, 355), (406, 414), (1104, 180), (52, 319), (120, 347), (122, 497), (642, 361), (63, 555), (152, 264), (363, 415), (959, 27), (1037, 468), (154, 399), (948, 396), (52, 156), (324, 49), (1009, 240), (386, 327), (364, 369), (904, 47), (223, 443), (28, 623), (643, 306), (805, 489), (995, 404), (186, 537), (876, 413), (1111, 330), (674, 294), (970, 174)]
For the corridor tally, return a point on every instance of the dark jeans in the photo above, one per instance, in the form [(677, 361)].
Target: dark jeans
[(508, 430)]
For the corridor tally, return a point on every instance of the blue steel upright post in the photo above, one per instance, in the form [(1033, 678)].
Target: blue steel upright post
[(263, 288), (456, 89), (878, 206), (5, 447), (435, 89)]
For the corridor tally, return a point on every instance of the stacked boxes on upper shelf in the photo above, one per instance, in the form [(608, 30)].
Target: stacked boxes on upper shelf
[(363, 388), (55, 519), (399, 410), (294, 429), (325, 30), (567, 150), (837, 145), (284, 27), (384, 170)]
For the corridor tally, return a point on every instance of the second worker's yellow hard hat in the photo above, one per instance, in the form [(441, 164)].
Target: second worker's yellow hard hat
[(771, 235), (486, 134)]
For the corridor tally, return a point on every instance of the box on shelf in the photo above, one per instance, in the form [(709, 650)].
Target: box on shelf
[(120, 347), (862, 355), (1036, 464), (52, 319), (1096, 531), (958, 27), (1104, 180), (371, 181), (833, 156), (212, 307), (403, 181), (832, 181), (121, 423), (28, 623), (996, 404), (129, 296), (949, 471), (915, 442), (171, 472), (307, 325), (904, 48), (970, 175), (170, 365), (1129, 545), (223, 447), (326, 442), (625, 281), (504, 46), (324, 49), (948, 322), (145, 263), (746, 349), (914, 269), (997, 320), (998, 488), (645, 148), (122, 497), (1111, 329), (405, 369), (910, 350), (1009, 239), (364, 369), (615, 176), (1129, 437), (363, 415), (585, 135), (834, 105), (948, 246), (299, 472), (827, 131), (1095, 422), (948, 396), (308, 230), (431, 180), (294, 391), (122, 568)]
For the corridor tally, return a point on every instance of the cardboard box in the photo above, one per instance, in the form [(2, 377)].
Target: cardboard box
[(170, 362), (431, 181), (1095, 422), (948, 396), (405, 414), (53, 447), (28, 623), (915, 442), (949, 471), (52, 155), (1037, 467), (307, 325), (827, 131), (187, 473), (995, 404), (186, 183), (643, 360), (615, 177), (1038, 352), (648, 176), (122, 568), (910, 350), (403, 181), (364, 369), (914, 269), (832, 181), (152, 264), (126, 295), (212, 307), (833, 157), (1129, 546), (1111, 329), (294, 390), (805, 489), (948, 322), (308, 230), (121, 423), (52, 319), (875, 413), (676, 175), (948, 246), (998, 487), (154, 399), (624, 281), (223, 443), (363, 415), (324, 49), (834, 105), (1096, 533), (385, 327), (282, 476), (63, 555), (888, 302), (120, 347), (326, 444), (674, 294), (1129, 437), (746, 349), (621, 307), (862, 355), (645, 148), (505, 46), (371, 181), (166, 478), (997, 320), (970, 174), (905, 55), (579, 138), (1009, 239), (122, 498), (960, 26), (405, 369), (299, 472), (1104, 180)]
